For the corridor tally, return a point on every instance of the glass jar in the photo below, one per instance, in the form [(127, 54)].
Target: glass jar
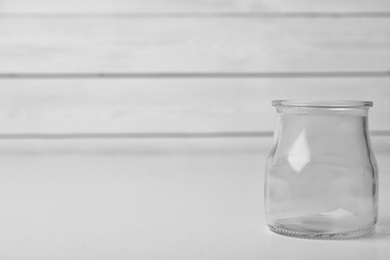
[(321, 175)]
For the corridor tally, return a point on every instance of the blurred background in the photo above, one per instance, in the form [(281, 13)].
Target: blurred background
[(170, 66), (139, 129)]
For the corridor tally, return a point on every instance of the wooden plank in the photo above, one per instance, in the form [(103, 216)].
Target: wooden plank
[(171, 105), (180, 6), (186, 45)]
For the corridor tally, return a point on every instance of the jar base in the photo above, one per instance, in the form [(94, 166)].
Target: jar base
[(308, 234)]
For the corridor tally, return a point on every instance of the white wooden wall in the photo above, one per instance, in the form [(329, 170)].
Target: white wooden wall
[(148, 67)]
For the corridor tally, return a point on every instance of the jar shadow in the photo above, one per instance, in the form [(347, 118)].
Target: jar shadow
[(382, 230)]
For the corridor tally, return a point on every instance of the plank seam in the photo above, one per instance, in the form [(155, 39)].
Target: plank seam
[(158, 75), (184, 15), (151, 135)]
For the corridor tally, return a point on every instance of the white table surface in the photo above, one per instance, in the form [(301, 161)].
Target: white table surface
[(155, 199)]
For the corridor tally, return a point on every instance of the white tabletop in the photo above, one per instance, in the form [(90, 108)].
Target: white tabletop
[(155, 199)]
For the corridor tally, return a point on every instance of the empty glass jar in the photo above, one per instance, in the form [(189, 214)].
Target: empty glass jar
[(321, 175)]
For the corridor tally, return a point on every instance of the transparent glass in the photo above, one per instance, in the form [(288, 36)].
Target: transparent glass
[(321, 175)]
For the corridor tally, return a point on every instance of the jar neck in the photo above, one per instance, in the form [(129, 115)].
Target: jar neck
[(314, 120), (337, 111)]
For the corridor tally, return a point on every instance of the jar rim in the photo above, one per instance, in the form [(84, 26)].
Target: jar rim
[(323, 103)]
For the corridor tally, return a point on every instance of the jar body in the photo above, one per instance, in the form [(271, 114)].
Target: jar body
[(321, 175)]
